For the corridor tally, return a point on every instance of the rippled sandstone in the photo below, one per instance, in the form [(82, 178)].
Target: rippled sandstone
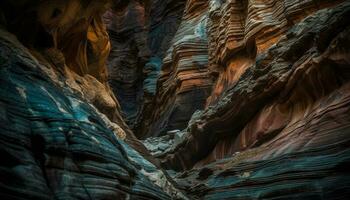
[(276, 124), (62, 136), (235, 99)]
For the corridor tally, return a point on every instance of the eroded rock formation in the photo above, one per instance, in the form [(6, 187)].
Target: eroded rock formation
[(61, 135), (276, 125), (155, 54), (236, 99), (140, 33), (184, 83)]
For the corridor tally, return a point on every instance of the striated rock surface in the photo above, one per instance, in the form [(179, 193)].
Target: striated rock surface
[(239, 31), (276, 125), (235, 99), (184, 83), (61, 132), (126, 25), (140, 33), (54, 144)]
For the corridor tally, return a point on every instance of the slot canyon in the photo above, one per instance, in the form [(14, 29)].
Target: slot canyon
[(174, 99)]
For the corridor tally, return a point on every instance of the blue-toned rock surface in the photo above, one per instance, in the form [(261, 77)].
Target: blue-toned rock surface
[(54, 145)]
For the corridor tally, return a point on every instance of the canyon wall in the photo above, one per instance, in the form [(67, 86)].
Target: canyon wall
[(235, 99), (184, 82), (158, 65), (140, 33), (276, 123), (126, 26), (62, 135)]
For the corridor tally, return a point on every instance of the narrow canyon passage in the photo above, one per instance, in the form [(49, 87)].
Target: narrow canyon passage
[(175, 99)]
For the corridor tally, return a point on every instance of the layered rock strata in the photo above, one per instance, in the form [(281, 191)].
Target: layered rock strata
[(184, 83), (61, 131), (140, 33), (127, 31), (240, 30), (279, 127), (275, 125)]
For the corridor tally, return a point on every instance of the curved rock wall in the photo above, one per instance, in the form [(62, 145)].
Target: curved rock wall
[(61, 132), (140, 33), (276, 124), (128, 34), (184, 83), (241, 30), (251, 99)]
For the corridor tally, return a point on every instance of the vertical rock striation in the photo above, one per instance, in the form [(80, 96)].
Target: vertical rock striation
[(184, 83)]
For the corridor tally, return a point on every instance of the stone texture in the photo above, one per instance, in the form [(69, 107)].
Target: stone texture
[(240, 30), (126, 27), (140, 34), (275, 125), (61, 131), (279, 128), (184, 83), (55, 145), (267, 83)]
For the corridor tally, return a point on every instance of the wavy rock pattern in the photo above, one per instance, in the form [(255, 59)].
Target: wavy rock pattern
[(61, 131), (57, 145), (127, 31), (240, 30), (286, 83), (280, 130), (140, 34), (184, 83), (248, 99)]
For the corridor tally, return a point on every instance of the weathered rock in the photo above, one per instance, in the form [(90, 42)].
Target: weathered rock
[(61, 132), (275, 125), (184, 83), (140, 33), (127, 31), (55, 145), (158, 146), (280, 128)]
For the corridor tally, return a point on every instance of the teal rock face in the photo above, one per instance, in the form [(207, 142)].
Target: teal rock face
[(153, 69), (54, 145)]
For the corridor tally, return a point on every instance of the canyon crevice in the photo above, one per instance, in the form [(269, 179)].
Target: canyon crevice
[(175, 99)]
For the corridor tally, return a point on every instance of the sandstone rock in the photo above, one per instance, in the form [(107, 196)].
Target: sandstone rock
[(126, 27), (54, 144), (260, 87), (140, 32), (235, 99), (184, 83), (61, 132), (286, 115)]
